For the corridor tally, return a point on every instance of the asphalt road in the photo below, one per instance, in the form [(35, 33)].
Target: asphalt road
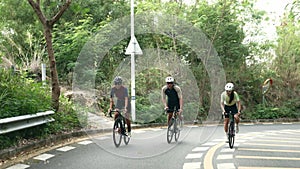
[(257, 146)]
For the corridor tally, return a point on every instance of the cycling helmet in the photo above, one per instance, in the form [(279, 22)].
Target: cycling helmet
[(229, 86), (169, 79), (118, 80)]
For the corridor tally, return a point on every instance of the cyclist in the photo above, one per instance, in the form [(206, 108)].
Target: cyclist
[(174, 98), (121, 94), (230, 101)]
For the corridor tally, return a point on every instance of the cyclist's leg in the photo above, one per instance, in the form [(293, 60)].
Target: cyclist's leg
[(170, 113), (169, 116), (128, 122), (179, 113), (226, 122), (226, 118), (236, 118)]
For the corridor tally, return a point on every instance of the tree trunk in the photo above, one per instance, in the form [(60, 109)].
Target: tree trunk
[(53, 71), (48, 25)]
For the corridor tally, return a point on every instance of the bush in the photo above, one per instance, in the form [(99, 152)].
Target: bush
[(21, 96)]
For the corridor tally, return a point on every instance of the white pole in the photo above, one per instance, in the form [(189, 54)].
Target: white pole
[(132, 62), (43, 73)]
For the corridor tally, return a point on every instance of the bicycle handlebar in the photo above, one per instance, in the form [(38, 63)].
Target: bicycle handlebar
[(115, 110), (226, 113), (171, 111)]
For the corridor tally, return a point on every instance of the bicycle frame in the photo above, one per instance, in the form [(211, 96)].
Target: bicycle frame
[(231, 130), (174, 121)]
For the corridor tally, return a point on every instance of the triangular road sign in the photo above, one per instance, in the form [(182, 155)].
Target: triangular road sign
[(133, 47)]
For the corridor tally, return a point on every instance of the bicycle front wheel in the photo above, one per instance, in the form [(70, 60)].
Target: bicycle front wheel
[(126, 138), (231, 135), (117, 132), (176, 129), (170, 131)]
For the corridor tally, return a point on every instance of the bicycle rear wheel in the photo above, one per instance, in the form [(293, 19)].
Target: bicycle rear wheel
[(176, 129), (170, 131), (117, 132), (231, 135), (126, 138)]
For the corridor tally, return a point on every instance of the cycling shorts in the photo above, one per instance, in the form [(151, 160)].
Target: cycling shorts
[(232, 108)]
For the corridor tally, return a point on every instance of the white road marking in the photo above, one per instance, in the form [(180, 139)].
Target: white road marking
[(200, 148), (102, 138), (225, 156), (85, 142), (194, 165), (210, 143), (227, 150), (226, 166), (43, 157), (65, 149), (266, 168), (248, 124), (269, 150), (192, 126), (18, 166), (138, 131), (194, 155), (268, 158), (267, 123), (155, 129)]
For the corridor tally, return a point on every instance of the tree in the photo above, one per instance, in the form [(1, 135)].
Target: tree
[(287, 61), (48, 26)]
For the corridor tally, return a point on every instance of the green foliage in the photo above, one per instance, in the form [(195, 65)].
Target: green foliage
[(67, 118), (21, 96)]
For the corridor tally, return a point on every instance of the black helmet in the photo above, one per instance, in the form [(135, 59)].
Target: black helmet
[(118, 80)]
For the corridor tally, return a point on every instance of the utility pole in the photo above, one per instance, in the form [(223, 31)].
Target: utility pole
[(132, 50)]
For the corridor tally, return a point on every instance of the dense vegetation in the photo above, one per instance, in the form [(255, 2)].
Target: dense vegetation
[(83, 31)]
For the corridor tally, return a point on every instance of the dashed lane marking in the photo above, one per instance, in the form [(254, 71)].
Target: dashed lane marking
[(66, 148), (192, 165), (267, 123), (102, 138), (200, 149), (266, 168), (226, 166), (43, 157), (138, 131), (271, 145), (85, 142), (227, 150), (268, 158), (155, 129), (248, 124), (210, 143), (225, 157), (18, 166), (285, 138), (269, 150), (194, 156), (277, 141)]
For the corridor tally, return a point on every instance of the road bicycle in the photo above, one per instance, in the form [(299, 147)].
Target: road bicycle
[(173, 127), (120, 129), (231, 130)]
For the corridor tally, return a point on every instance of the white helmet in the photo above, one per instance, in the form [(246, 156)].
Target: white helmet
[(229, 86), (169, 79)]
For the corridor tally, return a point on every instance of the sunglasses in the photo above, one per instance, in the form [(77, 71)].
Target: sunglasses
[(228, 91), (169, 82)]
